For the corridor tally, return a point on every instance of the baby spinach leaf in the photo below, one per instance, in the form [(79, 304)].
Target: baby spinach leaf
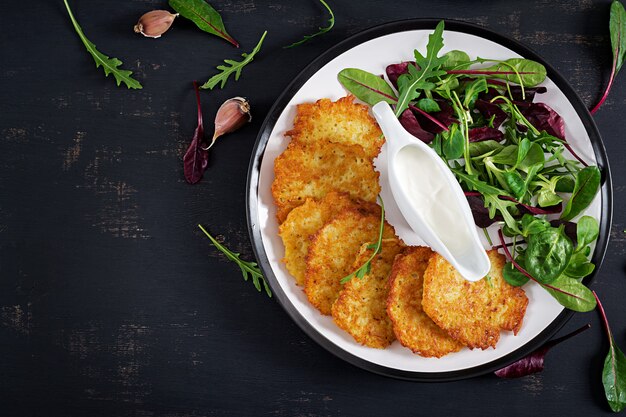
[(548, 254), (572, 294), (531, 225), (457, 60), (565, 184), (587, 231), (516, 183), (204, 16), (366, 86), (472, 90), (428, 105), (585, 189), (484, 147), (453, 143), (513, 276), (579, 266)]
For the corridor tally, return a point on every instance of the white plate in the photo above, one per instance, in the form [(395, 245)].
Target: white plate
[(319, 80)]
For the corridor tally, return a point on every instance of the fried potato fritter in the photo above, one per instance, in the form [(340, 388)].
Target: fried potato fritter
[(332, 252), (361, 308), (342, 121), (315, 169), (412, 327), (473, 313), (305, 220)]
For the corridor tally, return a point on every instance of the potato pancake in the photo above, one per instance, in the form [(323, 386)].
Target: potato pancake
[(361, 308), (304, 221), (315, 169), (342, 121), (412, 327), (332, 252), (472, 313)]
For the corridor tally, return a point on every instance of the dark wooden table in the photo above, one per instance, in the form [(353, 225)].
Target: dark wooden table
[(111, 301)]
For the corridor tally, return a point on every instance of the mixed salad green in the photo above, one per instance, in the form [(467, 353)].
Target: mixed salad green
[(508, 152)]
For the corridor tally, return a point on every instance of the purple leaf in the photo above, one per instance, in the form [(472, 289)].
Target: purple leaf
[(479, 211), (444, 117), (516, 93), (394, 71), (534, 362), (489, 110), (410, 123), (479, 134), (196, 158), (570, 229), (543, 117)]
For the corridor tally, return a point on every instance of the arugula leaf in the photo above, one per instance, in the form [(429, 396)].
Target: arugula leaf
[(376, 247), (248, 269), (110, 65), (322, 30), (366, 86), (204, 16), (428, 68), (235, 67)]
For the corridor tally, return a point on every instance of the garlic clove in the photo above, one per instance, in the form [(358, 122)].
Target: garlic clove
[(231, 115), (155, 23)]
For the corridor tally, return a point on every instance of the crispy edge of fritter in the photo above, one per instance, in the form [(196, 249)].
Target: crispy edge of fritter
[(295, 165), (361, 308), (305, 220), (479, 332), (411, 325), (324, 268), (309, 116)]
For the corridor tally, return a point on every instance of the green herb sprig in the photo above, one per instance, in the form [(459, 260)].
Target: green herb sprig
[(232, 67), (322, 30), (248, 269), (376, 247), (110, 65)]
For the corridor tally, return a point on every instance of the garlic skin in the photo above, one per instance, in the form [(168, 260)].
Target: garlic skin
[(232, 114), (155, 23)]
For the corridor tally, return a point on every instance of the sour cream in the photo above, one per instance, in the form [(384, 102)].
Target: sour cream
[(433, 198)]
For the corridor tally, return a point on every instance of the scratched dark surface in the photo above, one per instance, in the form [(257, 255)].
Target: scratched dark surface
[(113, 304)]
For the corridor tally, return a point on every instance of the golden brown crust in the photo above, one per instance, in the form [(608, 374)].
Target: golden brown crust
[(305, 220), (342, 121), (361, 308), (412, 327), (472, 312), (312, 170), (332, 251)]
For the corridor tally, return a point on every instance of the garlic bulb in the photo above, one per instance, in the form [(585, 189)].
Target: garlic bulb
[(155, 23), (231, 115)]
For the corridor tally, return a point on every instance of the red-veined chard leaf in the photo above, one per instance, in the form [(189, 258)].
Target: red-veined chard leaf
[(517, 70), (617, 29), (204, 16), (585, 189), (196, 158), (366, 86), (614, 371), (410, 123)]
